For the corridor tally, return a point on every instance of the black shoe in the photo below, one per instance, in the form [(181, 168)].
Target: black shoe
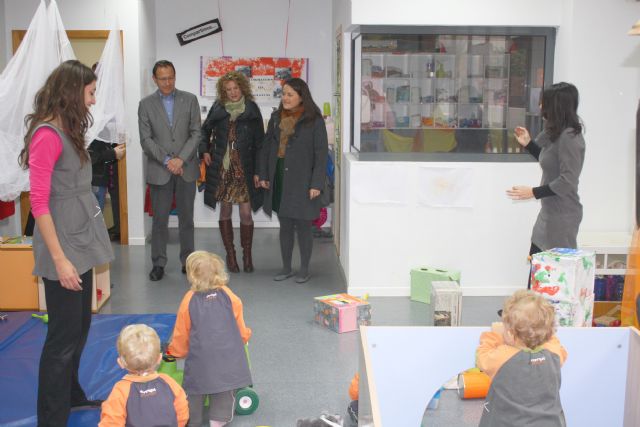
[(156, 273), (303, 277), (283, 275), (86, 404), (184, 269)]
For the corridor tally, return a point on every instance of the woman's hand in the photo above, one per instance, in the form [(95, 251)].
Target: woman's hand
[(256, 181), (207, 158), (264, 184), (68, 275), (120, 150), (522, 136), (520, 192), (313, 193)]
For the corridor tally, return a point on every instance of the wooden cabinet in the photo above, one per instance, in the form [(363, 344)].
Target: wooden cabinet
[(18, 287), (20, 290)]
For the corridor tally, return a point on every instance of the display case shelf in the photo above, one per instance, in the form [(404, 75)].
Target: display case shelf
[(454, 78)]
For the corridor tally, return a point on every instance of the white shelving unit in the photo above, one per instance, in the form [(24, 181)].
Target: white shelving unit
[(611, 251)]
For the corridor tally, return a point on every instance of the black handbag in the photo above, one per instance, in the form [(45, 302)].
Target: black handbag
[(326, 194)]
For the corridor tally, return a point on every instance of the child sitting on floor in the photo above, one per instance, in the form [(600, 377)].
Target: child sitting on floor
[(210, 332), (523, 357), (143, 396)]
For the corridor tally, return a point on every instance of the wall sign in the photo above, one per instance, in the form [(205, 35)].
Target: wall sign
[(199, 31)]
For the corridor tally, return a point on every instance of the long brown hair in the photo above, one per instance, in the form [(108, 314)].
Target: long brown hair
[(241, 81), (560, 109), (311, 110), (62, 96)]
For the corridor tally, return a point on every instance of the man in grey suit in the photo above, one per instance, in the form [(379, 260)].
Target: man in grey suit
[(169, 123)]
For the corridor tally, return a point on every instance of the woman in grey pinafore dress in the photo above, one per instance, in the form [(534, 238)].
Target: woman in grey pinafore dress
[(70, 237), (559, 149)]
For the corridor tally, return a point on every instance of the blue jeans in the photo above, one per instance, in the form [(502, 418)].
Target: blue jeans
[(101, 194)]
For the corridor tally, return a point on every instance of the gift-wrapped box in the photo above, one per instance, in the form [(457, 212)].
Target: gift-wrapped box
[(446, 297), (422, 277), (342, 312), (565, 277)]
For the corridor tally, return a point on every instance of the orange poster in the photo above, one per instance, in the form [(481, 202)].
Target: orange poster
[(265, 74)]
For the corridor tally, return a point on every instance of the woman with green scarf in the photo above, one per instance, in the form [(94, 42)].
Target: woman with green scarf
[(231, 140)]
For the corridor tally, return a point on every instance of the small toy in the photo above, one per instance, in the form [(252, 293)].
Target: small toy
[(324, 420), (435, 400), (43, 317), (473, 384)]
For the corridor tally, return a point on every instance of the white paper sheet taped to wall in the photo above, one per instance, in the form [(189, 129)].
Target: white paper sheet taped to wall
[(445, 187), (381, 184)]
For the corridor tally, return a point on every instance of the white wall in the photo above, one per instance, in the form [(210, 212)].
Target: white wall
[(604, 63), (249, 28), (490, 243), (148, 47), (456, 12)]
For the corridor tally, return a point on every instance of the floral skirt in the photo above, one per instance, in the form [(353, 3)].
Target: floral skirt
[(233, 184)]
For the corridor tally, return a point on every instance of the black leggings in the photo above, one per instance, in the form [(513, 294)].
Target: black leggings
[(68, 327), (534, 250)]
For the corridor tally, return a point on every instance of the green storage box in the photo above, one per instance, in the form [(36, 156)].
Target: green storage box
[(422, 277)]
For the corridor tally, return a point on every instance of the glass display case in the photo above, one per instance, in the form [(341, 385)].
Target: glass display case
[(448, 90)]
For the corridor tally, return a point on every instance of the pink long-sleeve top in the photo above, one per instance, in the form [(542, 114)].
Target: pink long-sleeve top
[(44, 151)]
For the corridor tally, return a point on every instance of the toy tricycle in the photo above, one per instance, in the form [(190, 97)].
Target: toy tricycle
[(247, 400)]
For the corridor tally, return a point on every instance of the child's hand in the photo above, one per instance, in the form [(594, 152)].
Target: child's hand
[(498, 328)]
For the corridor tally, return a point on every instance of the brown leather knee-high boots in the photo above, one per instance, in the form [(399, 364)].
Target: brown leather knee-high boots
[(246, 240), (226, 231)]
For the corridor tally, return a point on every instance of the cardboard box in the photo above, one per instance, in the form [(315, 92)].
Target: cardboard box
[(565, 277), (341, 312), (422, 277), (446, 297)]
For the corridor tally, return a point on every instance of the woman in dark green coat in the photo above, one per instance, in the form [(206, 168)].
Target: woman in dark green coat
[(292, 169)]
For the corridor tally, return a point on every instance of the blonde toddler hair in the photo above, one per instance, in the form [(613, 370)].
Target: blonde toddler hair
[(205, 271), (139, 348), (529, 318)]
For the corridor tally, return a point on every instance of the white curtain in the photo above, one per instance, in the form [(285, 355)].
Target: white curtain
[(43, 48), (108, 111)]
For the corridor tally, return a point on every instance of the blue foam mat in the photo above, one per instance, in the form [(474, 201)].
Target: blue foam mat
[(21, 343)]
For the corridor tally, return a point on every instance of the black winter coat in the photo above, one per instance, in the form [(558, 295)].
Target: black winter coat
[(305, 167), (249, 134), (101, 153)]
